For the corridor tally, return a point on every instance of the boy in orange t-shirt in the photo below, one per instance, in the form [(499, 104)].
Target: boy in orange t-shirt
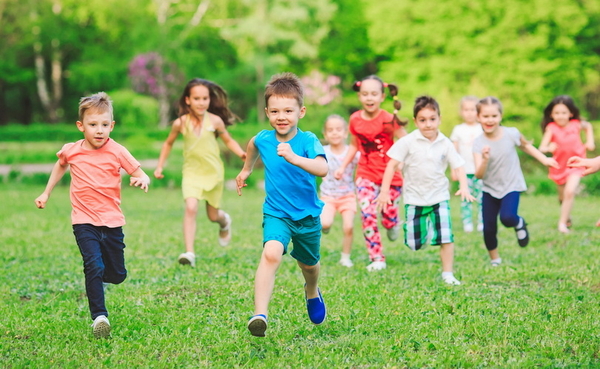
[(96, 162)]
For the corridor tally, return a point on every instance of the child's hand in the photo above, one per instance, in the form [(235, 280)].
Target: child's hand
[(590, 165), (240, 180), (41, 201), (285, 150), (339, 172), (141, 182), (551, 162), (552, 147), (485, 152), (243, 156), (590, 146), (158, 174), (465, 195), (382, 201)]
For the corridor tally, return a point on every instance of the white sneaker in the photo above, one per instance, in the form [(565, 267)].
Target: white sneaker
[(450, 279), (376, 265), (468, 228), (101, 327), (187, 258), (394, 232), (480, 227), (224, 241), (347, 263)]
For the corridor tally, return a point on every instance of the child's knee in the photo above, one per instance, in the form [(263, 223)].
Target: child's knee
[(116, 278), (308, 268), (509, 220), (272, 252)]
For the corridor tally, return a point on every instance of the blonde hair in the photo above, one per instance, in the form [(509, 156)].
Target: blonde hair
[(335, 116), (490, 100), (99, 102)]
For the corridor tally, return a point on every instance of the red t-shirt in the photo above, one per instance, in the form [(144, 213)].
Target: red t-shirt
[(374, 138), (568, 143), (96, 182)]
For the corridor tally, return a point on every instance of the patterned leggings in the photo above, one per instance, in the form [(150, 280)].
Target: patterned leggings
[(367, 192), (466, 208)]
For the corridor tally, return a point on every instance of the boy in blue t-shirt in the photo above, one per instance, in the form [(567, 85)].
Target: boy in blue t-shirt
[(291, 210)]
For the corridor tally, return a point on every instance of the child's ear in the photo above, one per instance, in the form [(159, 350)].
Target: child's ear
[(302, 112), (79, 126), (112, 125)]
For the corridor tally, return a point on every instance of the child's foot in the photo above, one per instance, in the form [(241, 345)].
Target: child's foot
[(101, 327), (522, 234), (346, 262), (187, 258), (480, 227), (257, 325), (325, 230), (376, 265), (394, 232), (225, 232), (569, 223), (449, 278), (496, 262), (316, 308), (468, 228), (562, 228)]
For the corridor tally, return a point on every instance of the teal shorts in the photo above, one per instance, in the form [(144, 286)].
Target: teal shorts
[(305, 235)]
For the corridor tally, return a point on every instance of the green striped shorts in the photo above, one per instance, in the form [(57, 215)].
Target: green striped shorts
[(424, 222)]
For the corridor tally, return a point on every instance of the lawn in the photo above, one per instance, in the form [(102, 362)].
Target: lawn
[(538, 309)]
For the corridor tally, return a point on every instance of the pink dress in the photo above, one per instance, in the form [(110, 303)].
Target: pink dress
[(568, 144)]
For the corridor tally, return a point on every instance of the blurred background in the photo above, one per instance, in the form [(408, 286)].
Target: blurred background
[(142, 52)]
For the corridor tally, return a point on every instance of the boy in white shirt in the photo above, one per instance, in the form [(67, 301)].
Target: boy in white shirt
[(423, 156)]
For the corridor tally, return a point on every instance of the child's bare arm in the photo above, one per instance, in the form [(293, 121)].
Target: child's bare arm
[(591, 165), (463, 190), (529, 149), (166, 148), (352, 150), (231, 144), (58, 171), (481, 161), (546, 145), (383, 199), (251, 156), (590, 145), (317, 166), (139, 179)]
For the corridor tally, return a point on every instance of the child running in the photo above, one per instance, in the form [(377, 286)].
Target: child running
[(562, 128), (203, 117), (338, 194), (463, 136), (423, 156), (373, 131), (497, 163), (96, 162), (291, 210)]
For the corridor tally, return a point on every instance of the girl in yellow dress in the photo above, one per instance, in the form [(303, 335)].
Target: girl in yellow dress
[(203, 117)]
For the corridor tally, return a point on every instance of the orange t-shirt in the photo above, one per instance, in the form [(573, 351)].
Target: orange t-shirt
[(374, 138), (96, 182)]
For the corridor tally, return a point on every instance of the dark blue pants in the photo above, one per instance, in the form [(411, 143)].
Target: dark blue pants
[(103, 261), (507, 207)]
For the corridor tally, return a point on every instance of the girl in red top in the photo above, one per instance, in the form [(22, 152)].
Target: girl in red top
[(372, 133), (562, 126)]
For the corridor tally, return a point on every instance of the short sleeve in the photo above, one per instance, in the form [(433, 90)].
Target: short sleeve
[(313, 146), (127, 161), (62, 153), (514, 135), (399, 150), (454, 134)]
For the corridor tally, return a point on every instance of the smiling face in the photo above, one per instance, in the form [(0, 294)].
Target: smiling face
[(199, 100), (335, 131), (561, 114), (371, 96), (96, 128), (284, 114), (428, 122), (490, 117)]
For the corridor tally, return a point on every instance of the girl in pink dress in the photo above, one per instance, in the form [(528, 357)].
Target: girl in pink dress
[(562, 126)]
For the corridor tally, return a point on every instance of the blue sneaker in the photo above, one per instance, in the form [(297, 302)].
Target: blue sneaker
[(257, 325), (316, 308)]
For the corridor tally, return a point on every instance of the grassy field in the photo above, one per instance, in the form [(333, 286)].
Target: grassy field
[(539, 309)]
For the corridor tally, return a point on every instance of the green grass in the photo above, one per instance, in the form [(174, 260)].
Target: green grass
[(539, 309)]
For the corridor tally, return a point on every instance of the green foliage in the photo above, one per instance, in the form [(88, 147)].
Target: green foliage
[(166, 316), (134, 110)]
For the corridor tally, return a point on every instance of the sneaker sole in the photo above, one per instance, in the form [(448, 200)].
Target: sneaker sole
[(102, 330), (257, 327)]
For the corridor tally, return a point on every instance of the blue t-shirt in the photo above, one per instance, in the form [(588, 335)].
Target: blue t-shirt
[(291, 191)]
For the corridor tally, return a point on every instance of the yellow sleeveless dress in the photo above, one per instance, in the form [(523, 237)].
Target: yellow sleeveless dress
[(203, 171)]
